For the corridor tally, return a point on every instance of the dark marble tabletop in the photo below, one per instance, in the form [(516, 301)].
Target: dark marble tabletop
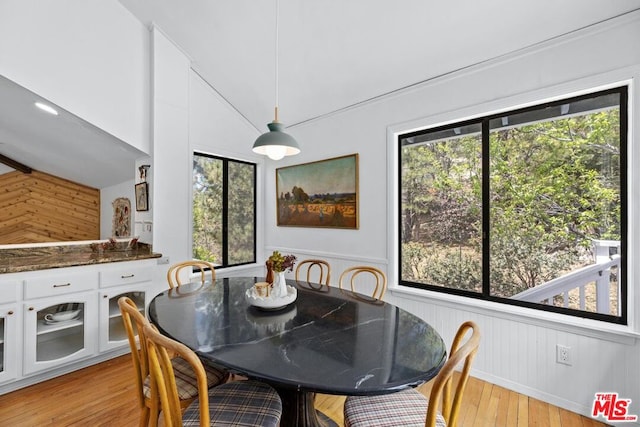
[(327, 341)]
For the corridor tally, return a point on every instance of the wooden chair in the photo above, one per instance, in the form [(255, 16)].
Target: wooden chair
[(173, 274), (410, 407), (134, 322), (353, 272), (323, 267), (246, 403)]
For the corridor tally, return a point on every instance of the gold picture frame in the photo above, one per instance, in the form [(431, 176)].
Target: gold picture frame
[(319, 194)]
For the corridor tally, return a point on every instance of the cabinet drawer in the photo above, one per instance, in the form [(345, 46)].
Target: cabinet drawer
[(59, 284), (9, 291), (124, 275)]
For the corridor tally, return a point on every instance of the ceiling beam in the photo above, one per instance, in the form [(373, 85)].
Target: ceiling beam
[(14, 164)]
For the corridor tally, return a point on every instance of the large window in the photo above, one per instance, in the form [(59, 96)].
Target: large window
[(525, 207), (224, 210)]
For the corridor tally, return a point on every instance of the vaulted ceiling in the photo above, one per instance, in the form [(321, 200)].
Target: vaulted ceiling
[(337, 53)]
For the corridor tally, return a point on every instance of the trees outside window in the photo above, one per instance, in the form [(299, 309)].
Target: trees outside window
[(525, 207), (224, 210)]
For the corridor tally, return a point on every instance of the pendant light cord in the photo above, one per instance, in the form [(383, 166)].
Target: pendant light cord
[(277, 56)]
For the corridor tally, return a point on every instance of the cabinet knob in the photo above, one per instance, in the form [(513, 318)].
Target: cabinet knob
[(31, 308), (105, 296), (10, 312)]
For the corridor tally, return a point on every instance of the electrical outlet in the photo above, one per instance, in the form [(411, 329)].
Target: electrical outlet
[(563, 354), (163, 260)]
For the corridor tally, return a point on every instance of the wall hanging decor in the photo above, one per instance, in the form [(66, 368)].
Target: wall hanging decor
[(121, 225), (319, 194), (142, 196)]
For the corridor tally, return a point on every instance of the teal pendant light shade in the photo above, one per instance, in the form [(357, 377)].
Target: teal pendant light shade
[(276, 143)]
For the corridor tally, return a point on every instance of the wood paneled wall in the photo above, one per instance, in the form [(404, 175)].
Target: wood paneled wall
[(38, 207)]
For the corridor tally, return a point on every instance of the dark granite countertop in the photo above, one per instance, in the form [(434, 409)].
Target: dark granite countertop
[(16, 260)]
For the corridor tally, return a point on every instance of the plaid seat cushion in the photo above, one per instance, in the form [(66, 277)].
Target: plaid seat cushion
[(404, 408), (238, 404), (186, 380)]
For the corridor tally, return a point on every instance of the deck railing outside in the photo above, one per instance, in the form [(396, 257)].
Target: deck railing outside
[(598, 273)]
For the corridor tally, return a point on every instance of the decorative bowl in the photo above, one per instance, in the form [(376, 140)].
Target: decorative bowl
[(271, 302), (61, 316)]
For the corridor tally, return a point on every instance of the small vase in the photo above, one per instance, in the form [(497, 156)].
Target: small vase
[(280, 285), (269, 277)]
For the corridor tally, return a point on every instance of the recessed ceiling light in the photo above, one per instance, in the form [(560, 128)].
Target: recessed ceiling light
[(47, 108)]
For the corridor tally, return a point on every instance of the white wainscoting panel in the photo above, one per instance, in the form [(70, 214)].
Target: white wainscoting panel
[(521, 356)]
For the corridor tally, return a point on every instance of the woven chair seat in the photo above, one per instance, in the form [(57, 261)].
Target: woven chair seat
[(404, 408), (239, 403), (186, 381)]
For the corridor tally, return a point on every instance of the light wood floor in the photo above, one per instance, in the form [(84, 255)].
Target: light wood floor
[(103, 395)]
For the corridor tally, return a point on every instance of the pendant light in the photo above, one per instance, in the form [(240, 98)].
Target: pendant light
[(276, 143)]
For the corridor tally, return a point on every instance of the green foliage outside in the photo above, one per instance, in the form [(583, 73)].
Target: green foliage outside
[(208, 211), (554, 187), (241, 213)]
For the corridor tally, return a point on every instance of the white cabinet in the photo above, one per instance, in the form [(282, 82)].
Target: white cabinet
[(59, 282), (118, 280), (52, 343), (8, 343), (9, 320), (38, 342), (124, 274)]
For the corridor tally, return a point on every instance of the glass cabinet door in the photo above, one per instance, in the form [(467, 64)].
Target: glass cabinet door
[(112, 332), (8, 343), (59, 331)]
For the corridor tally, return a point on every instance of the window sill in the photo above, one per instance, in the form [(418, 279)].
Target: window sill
[(226, 271), (622, 334)]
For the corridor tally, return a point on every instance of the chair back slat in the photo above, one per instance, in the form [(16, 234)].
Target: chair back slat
[(173, 274), (442, 386), (324, 274), (378, 281), (134, 323), (163, 383)]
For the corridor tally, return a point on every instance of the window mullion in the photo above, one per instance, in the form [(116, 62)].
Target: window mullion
[(225, 212), (486, 209)]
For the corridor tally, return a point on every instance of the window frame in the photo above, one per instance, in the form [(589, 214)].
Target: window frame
[(623, 89), (225, 198)]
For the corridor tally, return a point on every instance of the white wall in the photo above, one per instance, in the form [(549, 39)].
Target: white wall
[(90, 57), (171, 171), (518, 345), (189, 116), (143, 220)]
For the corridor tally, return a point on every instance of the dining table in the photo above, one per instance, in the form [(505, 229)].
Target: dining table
[(327, 340)]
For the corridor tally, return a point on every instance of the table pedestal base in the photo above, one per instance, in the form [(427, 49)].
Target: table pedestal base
[(298, 409)]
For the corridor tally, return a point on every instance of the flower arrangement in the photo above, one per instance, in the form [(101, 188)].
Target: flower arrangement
[(280, 263)]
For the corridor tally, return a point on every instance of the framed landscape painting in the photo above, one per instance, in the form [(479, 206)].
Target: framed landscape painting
[(319, 194)]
